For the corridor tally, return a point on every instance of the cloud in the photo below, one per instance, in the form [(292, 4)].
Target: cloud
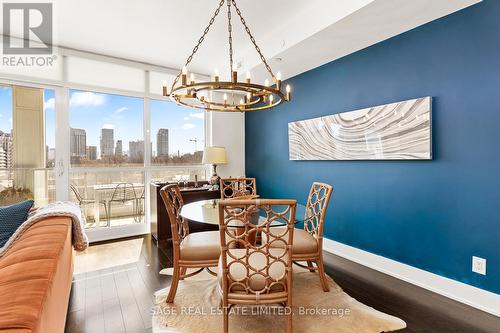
[(109, 126), (120, 110), (86, 98), (49, 104), (186, 118), (10, 120), (197, 115), (188, 126)]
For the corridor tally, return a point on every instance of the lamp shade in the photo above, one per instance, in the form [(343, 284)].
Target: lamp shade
[(214, 155)]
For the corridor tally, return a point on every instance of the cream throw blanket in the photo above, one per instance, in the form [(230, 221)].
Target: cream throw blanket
[(62, 208)]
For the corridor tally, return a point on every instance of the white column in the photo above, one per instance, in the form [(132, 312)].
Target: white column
[(147, 149), (228, 130), (62, 143)]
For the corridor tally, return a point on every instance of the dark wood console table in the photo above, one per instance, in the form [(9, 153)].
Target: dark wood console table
[(160, 223)]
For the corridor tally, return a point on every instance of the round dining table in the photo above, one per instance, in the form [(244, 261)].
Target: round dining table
[(207, 211)]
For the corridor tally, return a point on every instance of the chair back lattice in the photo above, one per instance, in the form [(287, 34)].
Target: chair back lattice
[(317, 203), (172, 198), (123, 192), (251, 269), (237, 187)]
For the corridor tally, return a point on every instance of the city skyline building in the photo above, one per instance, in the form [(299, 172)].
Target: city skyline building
[(162, 142), (136, 149), (6, 150), (107, 142), (3, 158), (78, 142), (92, 153), (119, 148)]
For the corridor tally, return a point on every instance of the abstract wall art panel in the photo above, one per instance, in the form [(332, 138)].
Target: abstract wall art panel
[(396, 131)]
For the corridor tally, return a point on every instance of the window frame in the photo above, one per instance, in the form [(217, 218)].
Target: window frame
[(63, 168)]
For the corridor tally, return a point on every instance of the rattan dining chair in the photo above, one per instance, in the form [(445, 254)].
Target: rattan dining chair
[(197, 250), (252, 273), (308, 244), (84, 201), (237, 187)]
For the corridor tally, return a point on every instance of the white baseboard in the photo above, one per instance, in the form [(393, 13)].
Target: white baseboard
[(458, 291)]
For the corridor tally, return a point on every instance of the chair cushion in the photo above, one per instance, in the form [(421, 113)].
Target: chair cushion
[(303, 242), (11, 217), (258, 261), (201, 246)]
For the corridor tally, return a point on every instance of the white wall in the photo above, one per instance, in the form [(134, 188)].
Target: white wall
[(227, 130)]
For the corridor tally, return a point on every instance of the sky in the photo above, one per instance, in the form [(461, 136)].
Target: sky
[(5, 109), (93, 111)]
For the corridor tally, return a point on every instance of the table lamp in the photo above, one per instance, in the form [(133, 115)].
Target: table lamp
[(214, 156)]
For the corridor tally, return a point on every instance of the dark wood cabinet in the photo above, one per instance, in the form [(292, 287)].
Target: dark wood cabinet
[(160, 223)]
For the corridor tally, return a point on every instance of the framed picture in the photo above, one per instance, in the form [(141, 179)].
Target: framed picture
[(396, 131)]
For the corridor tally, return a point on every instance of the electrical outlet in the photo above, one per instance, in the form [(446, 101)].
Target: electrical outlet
[(479, 265)]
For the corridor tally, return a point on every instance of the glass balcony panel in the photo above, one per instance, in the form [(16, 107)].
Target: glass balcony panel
[(109, 199)]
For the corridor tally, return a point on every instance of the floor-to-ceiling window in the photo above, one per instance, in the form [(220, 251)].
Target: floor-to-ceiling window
[(107, 152), (108, 149), (27, 144)]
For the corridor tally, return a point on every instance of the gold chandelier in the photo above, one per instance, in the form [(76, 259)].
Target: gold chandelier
[(227, 96)]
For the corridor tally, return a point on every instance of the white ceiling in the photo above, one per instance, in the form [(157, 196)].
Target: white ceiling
[(304, 34)]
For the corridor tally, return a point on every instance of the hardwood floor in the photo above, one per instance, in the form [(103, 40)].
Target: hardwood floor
[(118, 298)]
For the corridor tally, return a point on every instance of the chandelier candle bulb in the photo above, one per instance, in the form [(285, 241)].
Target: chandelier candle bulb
[(192, 78), (225, 99), (184, 76), (266, 83), (278, 81), (288, 92), (271, 99), (248, 77), (165, 90), (216, 75)]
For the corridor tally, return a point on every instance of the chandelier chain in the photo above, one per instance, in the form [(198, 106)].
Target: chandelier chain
[(257, 48), (195, 49), (230, 30), (193, 93)]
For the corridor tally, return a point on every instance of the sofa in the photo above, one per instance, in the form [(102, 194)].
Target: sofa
[(35, 279)]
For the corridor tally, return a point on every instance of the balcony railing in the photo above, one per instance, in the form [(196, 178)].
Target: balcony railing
[(108, 197)]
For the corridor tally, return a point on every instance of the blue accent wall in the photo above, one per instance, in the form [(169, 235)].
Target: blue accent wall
[(434, 215)]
